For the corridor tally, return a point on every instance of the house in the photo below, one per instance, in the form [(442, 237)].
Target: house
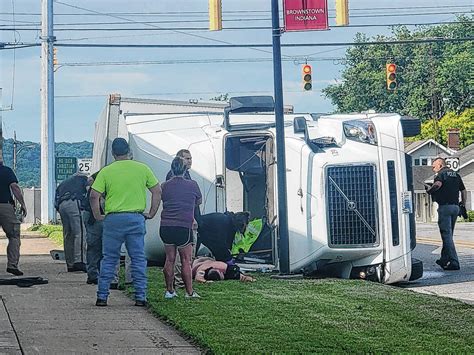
[(466, 170), (423, 153)]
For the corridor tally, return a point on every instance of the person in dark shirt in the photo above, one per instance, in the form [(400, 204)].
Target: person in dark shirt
[(217, 231), (180, 198), (8, 220), (445, 191), (69, 203), (188, 161)]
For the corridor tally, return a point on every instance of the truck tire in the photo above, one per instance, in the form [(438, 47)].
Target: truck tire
[(410, 126), (416, 269)]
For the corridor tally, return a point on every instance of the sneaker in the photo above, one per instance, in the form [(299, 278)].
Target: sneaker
[(114, 286), (141, 303), (92, 282), (101, 303), (14, 271), (169, 295), (192, 295), (441, 263)]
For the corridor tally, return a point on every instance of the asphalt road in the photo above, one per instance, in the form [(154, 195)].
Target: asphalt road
[(453, 284)]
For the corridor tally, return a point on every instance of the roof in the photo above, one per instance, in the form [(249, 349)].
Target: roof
[(466, 155), (413, 147)]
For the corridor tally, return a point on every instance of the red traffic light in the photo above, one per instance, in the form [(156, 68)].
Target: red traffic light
[(307, 77), (391, 67), (391, 76)]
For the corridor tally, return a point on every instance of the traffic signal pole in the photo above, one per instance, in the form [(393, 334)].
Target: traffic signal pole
[(47, 113), (283, 244)]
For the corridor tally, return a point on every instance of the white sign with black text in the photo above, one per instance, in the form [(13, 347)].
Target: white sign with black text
[(84, 166), (452, 163)]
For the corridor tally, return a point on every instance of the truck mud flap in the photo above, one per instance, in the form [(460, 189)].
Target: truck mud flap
[(416, 269)]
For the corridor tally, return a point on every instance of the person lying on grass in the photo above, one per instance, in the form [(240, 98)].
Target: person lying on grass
[(207, 269)]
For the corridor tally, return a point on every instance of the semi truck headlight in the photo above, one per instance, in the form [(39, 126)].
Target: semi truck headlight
[(361, 131)]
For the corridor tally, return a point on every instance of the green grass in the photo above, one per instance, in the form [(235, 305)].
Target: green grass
[(299, 316), (52, 231)]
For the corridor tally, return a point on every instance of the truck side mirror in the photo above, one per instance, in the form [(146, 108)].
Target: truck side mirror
[(299, 124)]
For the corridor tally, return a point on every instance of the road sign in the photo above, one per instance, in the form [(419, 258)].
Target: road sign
[(452, 163), (305, 15), (84, 166), (65, 167)]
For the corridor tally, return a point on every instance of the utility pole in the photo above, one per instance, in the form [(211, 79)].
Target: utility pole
[(1, 127), (47, 113), (434, 97), (283, 245)]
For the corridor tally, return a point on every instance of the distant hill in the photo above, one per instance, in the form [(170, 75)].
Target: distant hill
[(28, 160)]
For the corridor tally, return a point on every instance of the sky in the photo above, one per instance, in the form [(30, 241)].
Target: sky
[(175, 73)]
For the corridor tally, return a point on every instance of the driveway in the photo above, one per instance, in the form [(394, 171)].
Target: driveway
[(453, 284)]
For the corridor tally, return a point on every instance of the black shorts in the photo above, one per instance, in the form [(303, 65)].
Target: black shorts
[(179, 236)]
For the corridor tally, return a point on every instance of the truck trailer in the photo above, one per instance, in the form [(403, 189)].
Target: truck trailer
[(349, 182)]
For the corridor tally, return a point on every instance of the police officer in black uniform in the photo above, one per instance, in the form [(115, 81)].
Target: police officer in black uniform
[(70, 195), (8, 220), (445, 191)]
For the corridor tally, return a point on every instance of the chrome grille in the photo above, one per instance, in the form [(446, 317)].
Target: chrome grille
[(352, 205)]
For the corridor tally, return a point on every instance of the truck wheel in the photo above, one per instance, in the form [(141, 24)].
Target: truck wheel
[(416, 269), (410, 126)]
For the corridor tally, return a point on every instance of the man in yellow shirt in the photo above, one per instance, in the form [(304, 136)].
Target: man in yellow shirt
[(124, 184)]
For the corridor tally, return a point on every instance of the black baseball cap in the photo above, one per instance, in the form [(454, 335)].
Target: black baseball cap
[(120, 147)]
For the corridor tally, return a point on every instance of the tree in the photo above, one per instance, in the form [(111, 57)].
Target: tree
[(28, 162), (222, 97), (464, 122), (425, 72)]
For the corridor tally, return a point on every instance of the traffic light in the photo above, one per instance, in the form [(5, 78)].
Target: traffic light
[(342, 12), (307, 78), (215, 15), (391, 70), (55, 58)]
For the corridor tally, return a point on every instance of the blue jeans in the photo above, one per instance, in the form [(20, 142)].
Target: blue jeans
[(94, 248), (120, 228), (447, 215)]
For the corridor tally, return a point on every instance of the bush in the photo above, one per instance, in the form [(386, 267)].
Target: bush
[(52, 231), (470, 215)]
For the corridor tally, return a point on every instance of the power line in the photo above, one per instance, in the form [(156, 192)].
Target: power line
[(128, 21), (181, 93), (181, 13), (259, 45), (220, 60), (179, 32), (255, 45), (227, 28)]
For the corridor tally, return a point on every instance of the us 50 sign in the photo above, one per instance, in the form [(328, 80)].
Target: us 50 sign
[(452, 163)]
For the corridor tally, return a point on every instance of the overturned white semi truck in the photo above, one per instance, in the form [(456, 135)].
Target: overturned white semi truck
[(348, 179)]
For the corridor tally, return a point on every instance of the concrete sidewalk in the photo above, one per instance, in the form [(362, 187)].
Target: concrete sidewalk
[(61, 317)]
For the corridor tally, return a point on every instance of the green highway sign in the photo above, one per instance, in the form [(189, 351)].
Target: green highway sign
[(65, 167)]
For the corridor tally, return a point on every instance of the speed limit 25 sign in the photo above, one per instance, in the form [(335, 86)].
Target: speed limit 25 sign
[(452, 163), (84, 166)]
